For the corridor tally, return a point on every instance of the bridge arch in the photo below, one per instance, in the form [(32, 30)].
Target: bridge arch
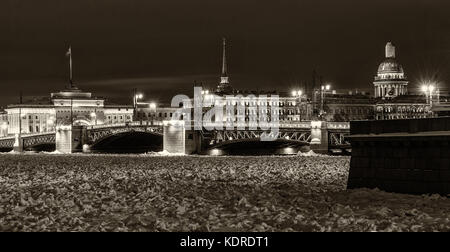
[(130, 141), (254, 146), (249, 143)]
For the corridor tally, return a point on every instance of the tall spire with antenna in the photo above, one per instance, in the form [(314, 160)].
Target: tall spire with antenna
[(224, 86), (69, 54), (224, 59)]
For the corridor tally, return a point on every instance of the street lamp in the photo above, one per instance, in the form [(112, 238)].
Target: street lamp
[(296, 93), (136, 98), (299, 95), (94, 115), (428, 89), (324, 89)]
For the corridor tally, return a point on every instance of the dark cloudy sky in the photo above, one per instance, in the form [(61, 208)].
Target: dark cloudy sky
[(163, 46)]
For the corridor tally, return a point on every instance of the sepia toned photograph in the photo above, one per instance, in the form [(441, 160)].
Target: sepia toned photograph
[(236, 118)]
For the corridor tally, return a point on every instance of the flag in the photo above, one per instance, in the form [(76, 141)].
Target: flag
[(69, 52)]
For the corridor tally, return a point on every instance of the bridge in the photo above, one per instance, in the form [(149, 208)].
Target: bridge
[(28, 141), (321, 136), (74, 139)]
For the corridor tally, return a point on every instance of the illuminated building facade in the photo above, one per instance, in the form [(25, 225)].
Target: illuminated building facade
[(45, 115), (390, 100)]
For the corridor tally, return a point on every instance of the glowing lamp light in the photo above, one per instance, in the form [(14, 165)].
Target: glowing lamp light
[(152, 105), (428, 88), (300, 93), (326, 87), (294, 93), (93, 114)]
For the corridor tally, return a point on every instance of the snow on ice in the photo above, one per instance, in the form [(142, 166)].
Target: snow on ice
[(198, 193)]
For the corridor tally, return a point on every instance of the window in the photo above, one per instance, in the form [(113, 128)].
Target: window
[(37, 128), (31, 128)]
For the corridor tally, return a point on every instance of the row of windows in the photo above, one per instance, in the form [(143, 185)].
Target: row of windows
[(258, 103), (118, 117), (143, 114), (401, 109), (358, 111), (395, 117)]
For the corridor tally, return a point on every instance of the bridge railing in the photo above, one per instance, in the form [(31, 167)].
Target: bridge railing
[(249, 125), (338, 125), (28, 135), (127, 124)]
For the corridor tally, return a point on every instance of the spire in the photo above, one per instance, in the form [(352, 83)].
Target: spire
[(224, 85), (390, 50), (224, 59), (69, 55)]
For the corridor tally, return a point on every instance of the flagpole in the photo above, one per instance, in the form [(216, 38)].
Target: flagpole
[(69, 53), (70, 63)]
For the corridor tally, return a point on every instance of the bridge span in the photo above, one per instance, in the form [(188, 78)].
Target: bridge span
[(320, 136)]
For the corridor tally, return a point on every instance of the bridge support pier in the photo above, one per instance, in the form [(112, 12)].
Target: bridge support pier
[(18, 144), (319, 137), (193, 142), (70, 139), (174, 138)]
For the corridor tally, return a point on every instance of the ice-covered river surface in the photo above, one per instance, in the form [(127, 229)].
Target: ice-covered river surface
[(42, 192)]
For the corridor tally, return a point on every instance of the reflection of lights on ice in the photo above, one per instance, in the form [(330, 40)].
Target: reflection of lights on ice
[(86, 148), (216, 152), (289, 151)]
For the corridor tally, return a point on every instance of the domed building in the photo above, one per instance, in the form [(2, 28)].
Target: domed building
[(390, 80)]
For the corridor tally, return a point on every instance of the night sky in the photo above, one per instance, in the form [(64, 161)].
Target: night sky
[(162, 46)]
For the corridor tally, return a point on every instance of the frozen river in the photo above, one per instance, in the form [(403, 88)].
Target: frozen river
[(42, 192)]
